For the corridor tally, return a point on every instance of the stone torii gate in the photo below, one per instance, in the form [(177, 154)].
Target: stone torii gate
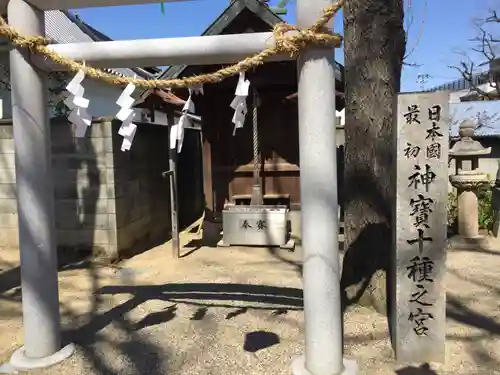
[(318, 174)]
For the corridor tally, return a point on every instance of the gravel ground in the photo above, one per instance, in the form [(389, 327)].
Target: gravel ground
[(156, 315)]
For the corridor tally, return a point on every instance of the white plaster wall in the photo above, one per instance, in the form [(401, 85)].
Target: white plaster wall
[(489, 166), (102, 98), (340, 117), (340, 136), (457, 96), (486, 165)]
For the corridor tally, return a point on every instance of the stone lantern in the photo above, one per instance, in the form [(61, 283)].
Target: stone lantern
[(468, 180)]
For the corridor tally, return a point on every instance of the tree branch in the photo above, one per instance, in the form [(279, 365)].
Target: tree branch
[(493, 18), (487, 46), (56, 88)]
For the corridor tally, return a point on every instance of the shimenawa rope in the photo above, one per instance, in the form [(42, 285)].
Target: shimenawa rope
[(288, 40)]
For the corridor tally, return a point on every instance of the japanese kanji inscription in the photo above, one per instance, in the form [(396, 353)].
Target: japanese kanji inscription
[(421, 141)]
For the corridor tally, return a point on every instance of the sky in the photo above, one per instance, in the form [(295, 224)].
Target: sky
[(439, 30)]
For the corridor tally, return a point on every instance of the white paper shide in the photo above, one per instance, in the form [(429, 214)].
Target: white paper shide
[(78, 105), (239, 103), (177, 130), (126, 115)]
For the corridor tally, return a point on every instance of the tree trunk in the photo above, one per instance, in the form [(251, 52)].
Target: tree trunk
[(374, 50)]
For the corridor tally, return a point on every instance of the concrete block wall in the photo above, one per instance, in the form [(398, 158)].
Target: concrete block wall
[(8, 203), (142, 195), (79, 171), (106, 200), (83, 187)]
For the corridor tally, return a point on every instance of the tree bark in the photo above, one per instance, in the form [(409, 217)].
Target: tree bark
[(374, 50)]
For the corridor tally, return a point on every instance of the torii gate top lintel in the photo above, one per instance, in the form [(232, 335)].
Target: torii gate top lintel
[(77, 4)]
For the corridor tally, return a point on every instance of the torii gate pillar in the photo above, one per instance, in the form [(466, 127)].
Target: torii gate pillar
[(319, 205), (35, 197)]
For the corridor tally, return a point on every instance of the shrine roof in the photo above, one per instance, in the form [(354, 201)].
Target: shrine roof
[(165, 96), (228, 17)]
